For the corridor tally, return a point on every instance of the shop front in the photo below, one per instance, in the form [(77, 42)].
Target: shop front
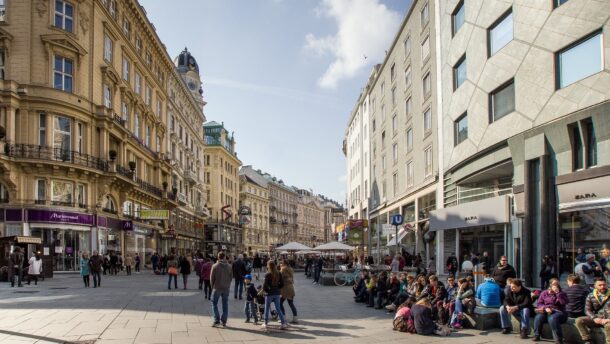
[(475, 227), (583, 218), (110, 236)]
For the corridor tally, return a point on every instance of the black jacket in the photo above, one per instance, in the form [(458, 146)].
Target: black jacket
[(522, 299), (501, 274), (577, 296), (257, 262), (95, 263), (270, 288), (239, 269), (422, 318), (185, 266), (251, 292)]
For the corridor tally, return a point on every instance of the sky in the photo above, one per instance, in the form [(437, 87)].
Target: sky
[(284, 75)]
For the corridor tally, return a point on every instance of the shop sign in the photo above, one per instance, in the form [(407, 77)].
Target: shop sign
[(485, 212), (127, 225), (35, 215), (167, 236), (584, 194), (154, 214), (245, 210), (358, 224), (141, 231), (14, 215)]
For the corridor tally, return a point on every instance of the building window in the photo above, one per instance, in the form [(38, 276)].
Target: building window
[(457, 18), (395, 153), (428, 161), (62, 193), (383, 164), (557, 3), (148, 58), (138, 44), (395, 183), (425, 49), (392, 72), (2, 63), (382, 112), (159, 107), (409, 173), (425, 15), (426, 87), (42, 129), (126, 28), (580, 60), (502, 101), (383, 139), (107, 96), (408, 107), (62, 135), (394, 124), (136, 128), (125, 69), (407, 46), (148, 132), (81, 196), (459, 73), (409, 139), (427, 120), (373, 125), (408, 77), (148, 95), (2, 10), (41, 191), (64, 15), (500, 33), (108, 48), (393, 96), (591, 140), (79, 137), (62, 73), (125, 113), (577, 148), (158, 144), (460, 129), (138, 84)]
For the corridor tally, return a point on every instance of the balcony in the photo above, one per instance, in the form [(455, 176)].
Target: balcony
[(148, 187), (23, 151), (190, 176), (181, 198)]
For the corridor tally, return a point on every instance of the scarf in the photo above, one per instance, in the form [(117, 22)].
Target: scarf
[(601, 298)]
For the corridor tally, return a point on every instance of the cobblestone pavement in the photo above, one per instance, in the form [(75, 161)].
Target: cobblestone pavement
[(140, 309)]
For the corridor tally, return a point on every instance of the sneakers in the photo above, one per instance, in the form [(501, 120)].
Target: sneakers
[(283, 326), (536, 339), (247, 321), (505, 331), (390, 307), (224, 324), (295, 320), (216, 324)]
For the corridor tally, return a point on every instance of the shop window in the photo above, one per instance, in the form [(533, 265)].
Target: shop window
[(580, 60), (500, 33), (64, 15)]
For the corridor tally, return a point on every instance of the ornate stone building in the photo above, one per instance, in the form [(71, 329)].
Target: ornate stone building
[(254, 210)]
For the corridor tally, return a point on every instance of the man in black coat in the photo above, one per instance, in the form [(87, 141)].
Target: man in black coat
[(16, 260), (517, 302), (239, 271), (503, 271)]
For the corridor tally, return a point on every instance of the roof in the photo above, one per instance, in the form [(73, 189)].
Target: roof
[(212, 124), (253, 176)]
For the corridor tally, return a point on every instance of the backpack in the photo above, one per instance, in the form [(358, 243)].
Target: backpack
[(404, 323)]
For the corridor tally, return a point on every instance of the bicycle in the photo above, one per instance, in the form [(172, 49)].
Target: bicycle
[(344, 277)]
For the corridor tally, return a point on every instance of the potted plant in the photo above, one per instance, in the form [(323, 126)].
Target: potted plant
[(112, 154), (164, 185), (132, 165), (175, 190), (2, 132)]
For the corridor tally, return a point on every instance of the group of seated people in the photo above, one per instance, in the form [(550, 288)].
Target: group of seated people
[(431, 303), (431, 306)]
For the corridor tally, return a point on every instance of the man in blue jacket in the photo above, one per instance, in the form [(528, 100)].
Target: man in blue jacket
[(488, 294)]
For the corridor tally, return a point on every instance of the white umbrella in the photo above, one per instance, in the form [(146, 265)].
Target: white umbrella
[(334, 246), (293, 246), (308, 252)]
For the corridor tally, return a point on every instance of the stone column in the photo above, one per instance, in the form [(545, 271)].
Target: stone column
[(11, 130)]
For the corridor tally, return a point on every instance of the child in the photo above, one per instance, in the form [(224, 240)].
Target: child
[(251, 295)]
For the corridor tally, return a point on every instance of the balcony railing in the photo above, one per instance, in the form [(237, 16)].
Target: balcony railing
[(23, 151), (190, 176), (118, 120), (148, 187), (124, 171)]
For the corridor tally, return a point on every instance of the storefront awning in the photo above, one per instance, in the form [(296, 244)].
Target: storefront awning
[(592, 193), (485, 212)]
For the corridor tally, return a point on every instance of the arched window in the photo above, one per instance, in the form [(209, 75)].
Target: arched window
[(109, 205)]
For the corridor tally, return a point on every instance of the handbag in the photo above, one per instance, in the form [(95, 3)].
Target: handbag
[(172, 270)]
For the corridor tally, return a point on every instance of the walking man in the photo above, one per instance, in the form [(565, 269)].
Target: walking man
[(16, 261), (220, 279), (95, 268), (239, 271), (319, 265)]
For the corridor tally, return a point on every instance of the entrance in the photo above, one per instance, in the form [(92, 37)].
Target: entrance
[(66, 246), (480, 239)]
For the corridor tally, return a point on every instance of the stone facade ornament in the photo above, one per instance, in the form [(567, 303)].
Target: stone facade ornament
[(41, 8), (84, 21)]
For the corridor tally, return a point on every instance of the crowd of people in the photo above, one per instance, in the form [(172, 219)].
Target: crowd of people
[(425, 305)]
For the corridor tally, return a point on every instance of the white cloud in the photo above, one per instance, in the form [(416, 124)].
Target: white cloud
[(364, 28)]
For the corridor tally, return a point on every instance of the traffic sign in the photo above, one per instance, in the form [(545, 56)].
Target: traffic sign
[(397, 220)]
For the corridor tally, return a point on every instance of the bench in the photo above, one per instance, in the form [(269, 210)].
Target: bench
[(486, 318), (570, 332)]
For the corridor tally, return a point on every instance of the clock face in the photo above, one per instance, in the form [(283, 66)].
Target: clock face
[(192, 85)]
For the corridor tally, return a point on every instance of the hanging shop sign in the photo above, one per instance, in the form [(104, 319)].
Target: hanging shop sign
[(357, 224), (154, 214), (37, 215)]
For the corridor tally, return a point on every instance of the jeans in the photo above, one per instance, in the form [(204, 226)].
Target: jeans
[(138, 267), (316, 276), (524, 314), (86, 280), (458, 308), (185, 278), (291, 304), (275, 299), (239, 284), (250, 310), (584, 325), (19, 273), (97, 279), (225, 306), (169, 282), (207, 288), (555, 320), (128, 269)]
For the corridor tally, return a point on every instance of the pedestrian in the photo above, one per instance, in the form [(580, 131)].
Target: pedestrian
[(319, 264), (199, 261), (128, 264), (503, 271), (16, 261), (577, 297), (106, 263), (239, 271), (257, 265), (206, 271), (172, 272), (163, 266), (597, 313), (272, 286), (251, 294), (185, 270), (84, 268), (120, 262), (114, 263), (517, 302), (137, 261), (95, 268), (154, 260), (287, 292), (452, 264), (35, 268), (220, 278), (485, 263), (551, 308), (591, 270)]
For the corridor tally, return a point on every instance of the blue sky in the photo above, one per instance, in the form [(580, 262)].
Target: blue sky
[(284, 75)]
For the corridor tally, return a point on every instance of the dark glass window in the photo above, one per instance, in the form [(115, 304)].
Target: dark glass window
[(461, 129), (458, 17), (577, 147)]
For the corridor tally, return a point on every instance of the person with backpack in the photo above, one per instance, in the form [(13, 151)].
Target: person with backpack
[(96, 263), (239, 271), (272, 286), (403, 320)]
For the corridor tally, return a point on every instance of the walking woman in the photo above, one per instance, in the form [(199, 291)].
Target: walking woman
[(287, 292), (185, 270), (272, 286), (84, 268), (35, 268), (172, 272)]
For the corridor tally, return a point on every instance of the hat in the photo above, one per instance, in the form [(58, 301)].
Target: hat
[(590, 256), (248, 277)]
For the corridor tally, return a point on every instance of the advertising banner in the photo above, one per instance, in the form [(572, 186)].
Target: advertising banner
[(154, 214), (37, 215)]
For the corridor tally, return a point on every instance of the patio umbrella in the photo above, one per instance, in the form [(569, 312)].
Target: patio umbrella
[(334, 246), (293, 246)]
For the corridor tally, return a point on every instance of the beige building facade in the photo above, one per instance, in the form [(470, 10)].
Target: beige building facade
[(254, 210), (84, 105), (310, 219)]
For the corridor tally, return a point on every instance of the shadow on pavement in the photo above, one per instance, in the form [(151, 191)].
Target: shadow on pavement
[(330, 325), (273, 331), (25, 335)]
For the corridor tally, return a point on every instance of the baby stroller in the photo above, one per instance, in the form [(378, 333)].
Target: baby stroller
[(260, 306)]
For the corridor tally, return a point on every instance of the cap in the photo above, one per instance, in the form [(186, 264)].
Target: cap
[(249, 277), (590, 256)]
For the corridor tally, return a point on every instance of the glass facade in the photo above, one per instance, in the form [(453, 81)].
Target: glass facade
[(588, 230), (66, 246)]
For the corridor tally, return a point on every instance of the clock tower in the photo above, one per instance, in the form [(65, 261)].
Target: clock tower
[(189, 70)]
